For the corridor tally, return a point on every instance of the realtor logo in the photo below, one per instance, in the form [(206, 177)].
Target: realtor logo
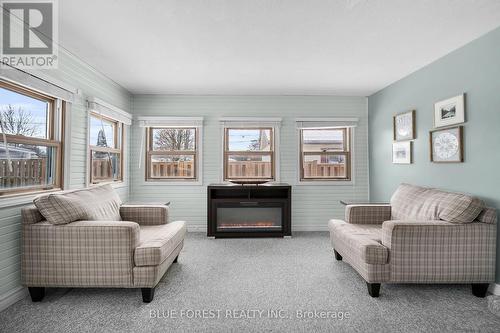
[(29, 33)]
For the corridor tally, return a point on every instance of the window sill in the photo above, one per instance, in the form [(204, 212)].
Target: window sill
[(325, 183), (172, 183), (120, 184), (22, 199)]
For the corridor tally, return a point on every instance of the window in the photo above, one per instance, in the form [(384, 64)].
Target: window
[(325, 154), (106, 149), (30, 151), (172, 153), (249, 154)]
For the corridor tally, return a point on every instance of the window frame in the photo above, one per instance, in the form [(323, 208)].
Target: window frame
[(195, 153), (55, 139), (118, 149), (347, 152), (227, 152)]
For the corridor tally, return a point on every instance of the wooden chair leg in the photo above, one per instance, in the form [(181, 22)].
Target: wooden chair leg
[(148, 294), (480, 289), (337, 255), (36, 293), (373, 289)]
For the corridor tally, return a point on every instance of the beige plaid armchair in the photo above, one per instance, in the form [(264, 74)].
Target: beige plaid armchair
[(423, 236), (134, 252)]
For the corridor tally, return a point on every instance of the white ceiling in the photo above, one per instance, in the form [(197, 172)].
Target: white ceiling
[(331, 47)]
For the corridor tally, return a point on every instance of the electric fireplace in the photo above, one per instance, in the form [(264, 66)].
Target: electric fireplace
[(249, 210)]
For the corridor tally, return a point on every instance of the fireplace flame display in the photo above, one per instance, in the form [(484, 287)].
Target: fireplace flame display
[(257, 224)]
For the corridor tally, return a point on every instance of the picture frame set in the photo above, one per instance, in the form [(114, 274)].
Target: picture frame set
[(403, 128), (446, 139)]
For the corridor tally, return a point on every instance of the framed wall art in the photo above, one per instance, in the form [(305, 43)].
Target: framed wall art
[(450, 111), (447, 145), (404, 126), (402, 152)]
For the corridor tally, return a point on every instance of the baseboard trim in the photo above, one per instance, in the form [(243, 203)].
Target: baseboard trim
[(303, 227), (494, 288), (12, 297), (196, 228), (310, 227)]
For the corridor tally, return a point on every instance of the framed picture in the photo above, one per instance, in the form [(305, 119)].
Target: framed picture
[(449, 112), (447, 145), (401, 152), (404, 126)]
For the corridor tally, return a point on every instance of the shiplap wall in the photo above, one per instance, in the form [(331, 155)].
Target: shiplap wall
[(312, 206), (91, 83)]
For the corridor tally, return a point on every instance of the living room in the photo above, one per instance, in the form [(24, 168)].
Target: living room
[(249, 166)]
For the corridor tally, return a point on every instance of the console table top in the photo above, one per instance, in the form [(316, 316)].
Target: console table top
[(249, 185)]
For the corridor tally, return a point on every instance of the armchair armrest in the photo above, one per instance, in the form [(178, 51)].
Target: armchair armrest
[(440, 251), (79, 254), (396, 231), (367, 213), (145, 214)]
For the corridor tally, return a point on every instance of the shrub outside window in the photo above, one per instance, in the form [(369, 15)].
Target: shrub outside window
[(325, 154), (30, 148)]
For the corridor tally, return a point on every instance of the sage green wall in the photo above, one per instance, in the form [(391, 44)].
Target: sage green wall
[(473, 69), (92, 84), (312, 206)]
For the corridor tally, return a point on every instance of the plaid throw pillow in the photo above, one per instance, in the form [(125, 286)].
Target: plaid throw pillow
[(100, 203), (411, 202)]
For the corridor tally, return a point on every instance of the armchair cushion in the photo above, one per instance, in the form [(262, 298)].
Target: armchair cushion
[(361, 241), (411, 202), (145, 214), (31, 215), (99, 203), (157, 242), (367, 213), (488, 215), (440, 251)]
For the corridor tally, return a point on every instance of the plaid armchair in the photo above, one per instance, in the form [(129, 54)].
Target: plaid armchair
[(132, 253), (423, 236)]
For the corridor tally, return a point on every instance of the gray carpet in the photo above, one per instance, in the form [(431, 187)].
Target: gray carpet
[(256, 274)]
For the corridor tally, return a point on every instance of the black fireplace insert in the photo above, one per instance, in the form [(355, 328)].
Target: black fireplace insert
[(249, 210)]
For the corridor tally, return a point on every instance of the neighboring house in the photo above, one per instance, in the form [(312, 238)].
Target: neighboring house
[(18, 153)]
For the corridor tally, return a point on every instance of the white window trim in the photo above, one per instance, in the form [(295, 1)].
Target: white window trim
[(248, 122), (178, 122), (98, 106), (39, 82), (106, 109), (304, 123), (46, 85)]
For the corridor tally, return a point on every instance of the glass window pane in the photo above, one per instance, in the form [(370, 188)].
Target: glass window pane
[(174, 138), (322, 140), (324, 166), (172, 166), (102, 132), (249, 167), (23, 115), (30, 166), (249, 139), (105, 166)]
